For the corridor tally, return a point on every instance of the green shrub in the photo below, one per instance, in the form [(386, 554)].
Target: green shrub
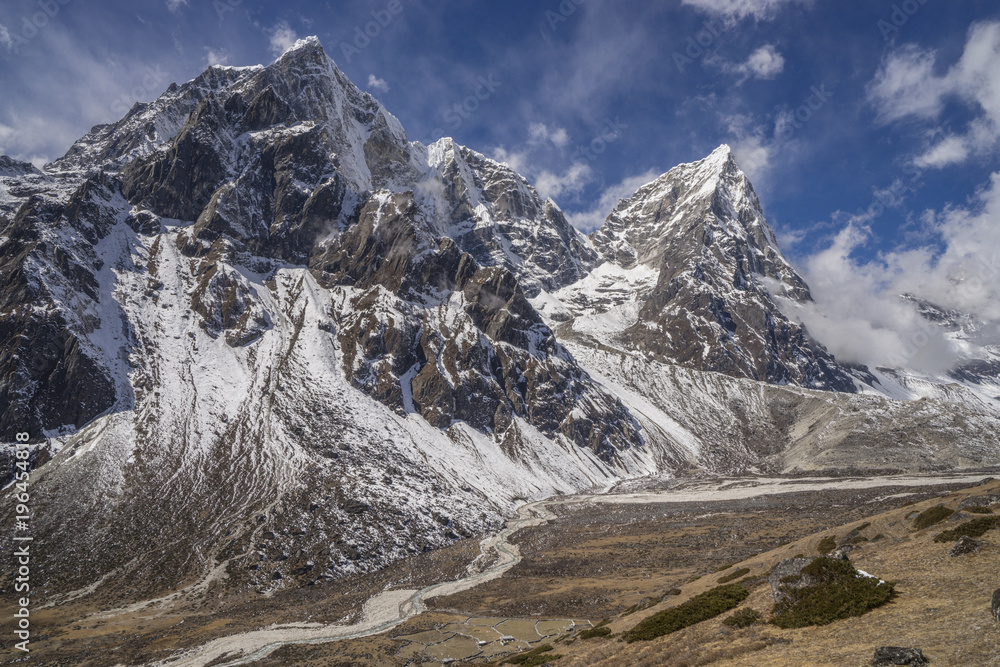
[(878, 537), (934, 515), (863, 526), (974, 528), (724, 568), (743, 618), (840, 592), (826, 545), (673, 591), (978, 509), (595, 632), (699, 608), (735, 574), (534, 657)]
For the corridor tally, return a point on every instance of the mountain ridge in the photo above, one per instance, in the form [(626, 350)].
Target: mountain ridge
[(255, 322)]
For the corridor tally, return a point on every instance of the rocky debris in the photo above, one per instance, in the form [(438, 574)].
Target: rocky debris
[(979, 501), (892, 655), (996, 605), (966, 545)]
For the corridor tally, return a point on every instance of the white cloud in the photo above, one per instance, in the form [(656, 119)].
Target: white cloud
[(755, 147), (764, 63), (5, 39), (572, 181), (539, 133), (951, 150), (760, 10), (859, 314), (175, 5), (216, 57), (377, 84), (282, 38), (907, 85), (589, 220)]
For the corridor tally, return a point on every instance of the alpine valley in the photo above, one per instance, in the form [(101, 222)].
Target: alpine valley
[(262, 341)]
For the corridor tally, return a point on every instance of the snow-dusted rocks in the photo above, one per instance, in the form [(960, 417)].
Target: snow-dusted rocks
[(272, 336), (699, 229)]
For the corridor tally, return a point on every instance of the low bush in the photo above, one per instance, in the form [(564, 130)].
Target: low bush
[(978, 509), (975, 528), (826, 545), (700, 608), (934, 515), (840, 592), (595, 632), (735, 574), (534, 657), (743, 618)]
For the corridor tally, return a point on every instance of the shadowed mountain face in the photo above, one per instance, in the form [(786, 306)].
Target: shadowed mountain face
[(275, 338)]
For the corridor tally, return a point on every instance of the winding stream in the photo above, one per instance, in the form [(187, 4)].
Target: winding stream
[(391, 608), (381, 613)]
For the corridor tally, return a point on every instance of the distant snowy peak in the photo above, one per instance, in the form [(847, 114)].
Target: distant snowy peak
[(701, 229), (712, 199)]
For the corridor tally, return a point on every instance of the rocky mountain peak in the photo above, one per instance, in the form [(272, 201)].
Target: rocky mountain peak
[(701, 230)]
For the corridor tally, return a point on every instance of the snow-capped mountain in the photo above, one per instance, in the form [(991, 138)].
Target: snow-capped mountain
[(710, 260), (271, 336)]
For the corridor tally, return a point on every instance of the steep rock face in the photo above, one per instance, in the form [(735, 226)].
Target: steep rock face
[(700, 230), (431, 331), (495, 215), (52, 373)]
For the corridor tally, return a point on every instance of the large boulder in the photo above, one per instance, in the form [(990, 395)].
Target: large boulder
[(893, 655), (788, 575), (996, 605), (966, 545)]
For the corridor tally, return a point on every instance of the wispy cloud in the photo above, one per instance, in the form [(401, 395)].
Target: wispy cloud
[(216, 57), (175, 5), (907, 86), (377, 84), (281, 37), (592, 218), (760, 10), (5, 39), (859, 313)]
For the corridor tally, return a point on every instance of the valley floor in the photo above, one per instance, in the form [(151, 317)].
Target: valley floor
[(601, 557)]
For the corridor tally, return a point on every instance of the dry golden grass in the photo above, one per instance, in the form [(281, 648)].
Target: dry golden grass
[(942, 607)]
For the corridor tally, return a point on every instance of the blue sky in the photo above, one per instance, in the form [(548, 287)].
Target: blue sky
[(589, 99)]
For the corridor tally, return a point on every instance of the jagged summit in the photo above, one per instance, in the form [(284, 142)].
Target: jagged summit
[(255, 295), (702, 232)]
